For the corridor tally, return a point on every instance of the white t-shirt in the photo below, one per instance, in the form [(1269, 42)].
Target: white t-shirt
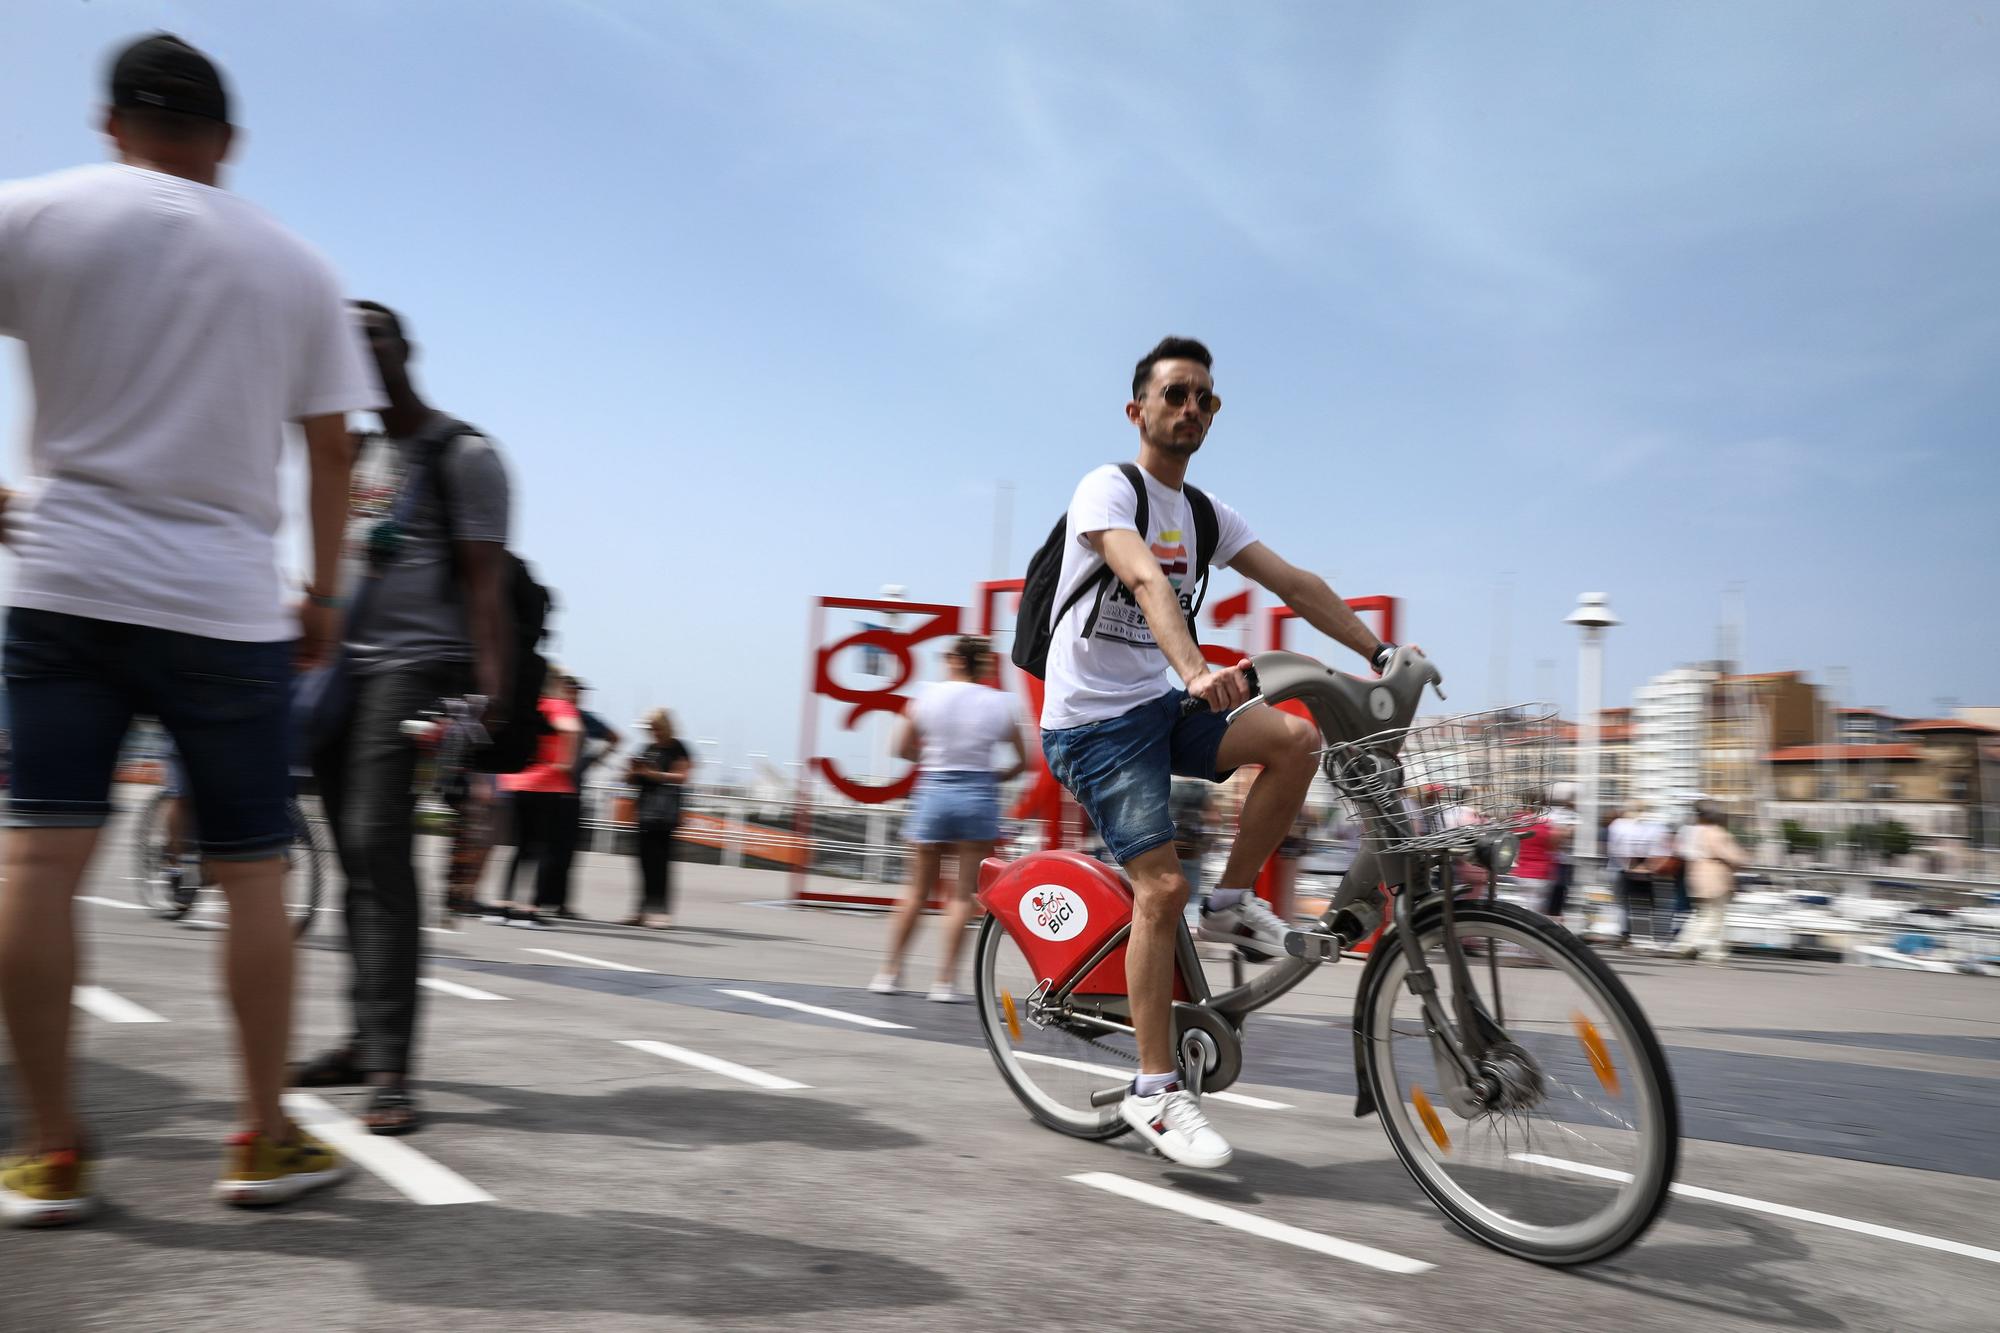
[(960, 723), (171, 329), (1119, 666)]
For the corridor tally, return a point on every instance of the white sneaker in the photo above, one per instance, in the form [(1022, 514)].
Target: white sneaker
[(1250, 924), (886, 983), (1172, 1122), (945, 993)]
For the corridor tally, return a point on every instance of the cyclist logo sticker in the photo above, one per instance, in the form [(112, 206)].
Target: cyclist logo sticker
[(1052, 913)]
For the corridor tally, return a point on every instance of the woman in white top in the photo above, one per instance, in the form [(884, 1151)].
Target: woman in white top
[(950, 729)]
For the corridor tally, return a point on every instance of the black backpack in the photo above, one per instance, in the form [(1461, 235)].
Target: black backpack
[(517, 734), (1035, 623)]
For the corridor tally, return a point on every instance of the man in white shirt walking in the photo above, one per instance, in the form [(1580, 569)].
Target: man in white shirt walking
[(172, 329), (1112, 726)]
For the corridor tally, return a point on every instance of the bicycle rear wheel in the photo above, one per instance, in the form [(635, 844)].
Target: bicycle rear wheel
[(150, 858), (305, 872), (1576, 1164), (1045, 1058)]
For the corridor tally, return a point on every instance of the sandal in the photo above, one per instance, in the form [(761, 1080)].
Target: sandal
[(328, 1069), (391, 1110)]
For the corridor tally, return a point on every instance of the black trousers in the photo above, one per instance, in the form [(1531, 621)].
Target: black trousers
[(562, 849), (366, 779), (1559, 891), (538, 820), (656, 860)]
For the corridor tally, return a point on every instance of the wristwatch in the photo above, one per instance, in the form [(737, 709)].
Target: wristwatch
[(321, 599)]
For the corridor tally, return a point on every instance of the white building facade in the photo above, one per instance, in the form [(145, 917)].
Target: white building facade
[(1669, 731)]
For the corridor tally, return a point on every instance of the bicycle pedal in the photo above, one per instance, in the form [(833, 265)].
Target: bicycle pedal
[(1313, 945)]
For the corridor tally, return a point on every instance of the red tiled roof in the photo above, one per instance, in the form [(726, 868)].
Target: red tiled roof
[(1813, 754), (1869, 712), (1948, 724)]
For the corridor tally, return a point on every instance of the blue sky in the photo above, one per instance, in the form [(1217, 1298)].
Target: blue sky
[(765, 299)]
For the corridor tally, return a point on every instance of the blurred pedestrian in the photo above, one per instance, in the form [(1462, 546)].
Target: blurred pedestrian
[(471, 845), (1561, 820), (660, 771), (1715, 857), (171, 329), (598, 741), (425, 546), (1534, 871), (537, 793), (1638, 846), (951, 729)]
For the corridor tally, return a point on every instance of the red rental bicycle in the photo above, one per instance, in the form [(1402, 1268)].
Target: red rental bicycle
[(1514, 1073)]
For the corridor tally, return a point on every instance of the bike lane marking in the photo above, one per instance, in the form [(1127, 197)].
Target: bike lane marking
[(1241, 1099), (415, 1176), (590, 962), (1775, 1209), (111, 1006), (1237, 1220), (109, 902), (756, 1078), (845, 1017), (453, 988)]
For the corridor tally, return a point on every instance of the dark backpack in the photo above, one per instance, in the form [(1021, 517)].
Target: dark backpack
[(516, 734), (1035, 622)]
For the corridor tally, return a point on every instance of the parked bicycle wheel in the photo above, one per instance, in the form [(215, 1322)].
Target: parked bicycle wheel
[(1045, 1059), (306, 869), (151, 861), (1577, 1165)]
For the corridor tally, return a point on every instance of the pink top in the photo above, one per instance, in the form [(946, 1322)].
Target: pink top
[(549, 773)]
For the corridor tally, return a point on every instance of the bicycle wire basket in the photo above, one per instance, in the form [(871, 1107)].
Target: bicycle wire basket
[(1453, 781)]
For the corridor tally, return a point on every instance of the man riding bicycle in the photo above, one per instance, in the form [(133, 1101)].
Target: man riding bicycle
[(1113, 730)]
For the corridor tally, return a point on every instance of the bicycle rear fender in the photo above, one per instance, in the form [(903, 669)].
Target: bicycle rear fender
[(1070, 914)]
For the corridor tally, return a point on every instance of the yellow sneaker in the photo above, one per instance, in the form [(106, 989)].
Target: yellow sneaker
[(260, 1171), (51, 1189)]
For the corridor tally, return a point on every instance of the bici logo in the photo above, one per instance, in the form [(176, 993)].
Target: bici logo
[(1053, 913)]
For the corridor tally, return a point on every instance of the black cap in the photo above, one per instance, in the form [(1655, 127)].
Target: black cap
[(164, 73)]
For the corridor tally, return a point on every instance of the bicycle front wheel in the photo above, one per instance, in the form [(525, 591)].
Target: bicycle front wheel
[(1048, 1060), (1572, 1161), (305, 871)]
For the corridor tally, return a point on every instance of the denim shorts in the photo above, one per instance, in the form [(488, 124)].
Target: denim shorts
[(73, 687), (955, 806), (1122, 770)]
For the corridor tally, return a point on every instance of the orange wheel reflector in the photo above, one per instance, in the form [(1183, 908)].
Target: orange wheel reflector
[(1428, 1114), (1007, 1007), (1600, 1057)]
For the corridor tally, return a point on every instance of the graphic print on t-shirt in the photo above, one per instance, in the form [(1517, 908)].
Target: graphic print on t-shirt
[(1122, 620)]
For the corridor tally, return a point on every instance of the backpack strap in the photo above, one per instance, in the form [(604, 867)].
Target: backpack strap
[(1207, 533), (1102, 580)]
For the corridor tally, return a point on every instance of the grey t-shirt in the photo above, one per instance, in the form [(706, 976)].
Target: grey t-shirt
[(416, 613)]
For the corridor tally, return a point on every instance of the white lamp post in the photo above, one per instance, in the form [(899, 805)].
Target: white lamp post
[(1592, 616)]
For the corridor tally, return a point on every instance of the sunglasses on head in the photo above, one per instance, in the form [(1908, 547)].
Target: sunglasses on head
[(1205, 400)]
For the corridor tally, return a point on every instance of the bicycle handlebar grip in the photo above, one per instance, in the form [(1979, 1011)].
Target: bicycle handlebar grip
[(1191, 705)]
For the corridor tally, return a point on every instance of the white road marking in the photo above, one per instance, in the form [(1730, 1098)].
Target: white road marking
[(109, 902), (743, 1073), (844, 1017), (111, 1006), (1776, 1209), (416, 1176), (1187, 1204), (1296, 1018), (1125, 1076), (444, 987), (439, 930), (589, 962)]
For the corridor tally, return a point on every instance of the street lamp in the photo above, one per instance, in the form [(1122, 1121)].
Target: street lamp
[(1592, 616)]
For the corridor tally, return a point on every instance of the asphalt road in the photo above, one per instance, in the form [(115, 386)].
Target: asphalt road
[(833, 1173)]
